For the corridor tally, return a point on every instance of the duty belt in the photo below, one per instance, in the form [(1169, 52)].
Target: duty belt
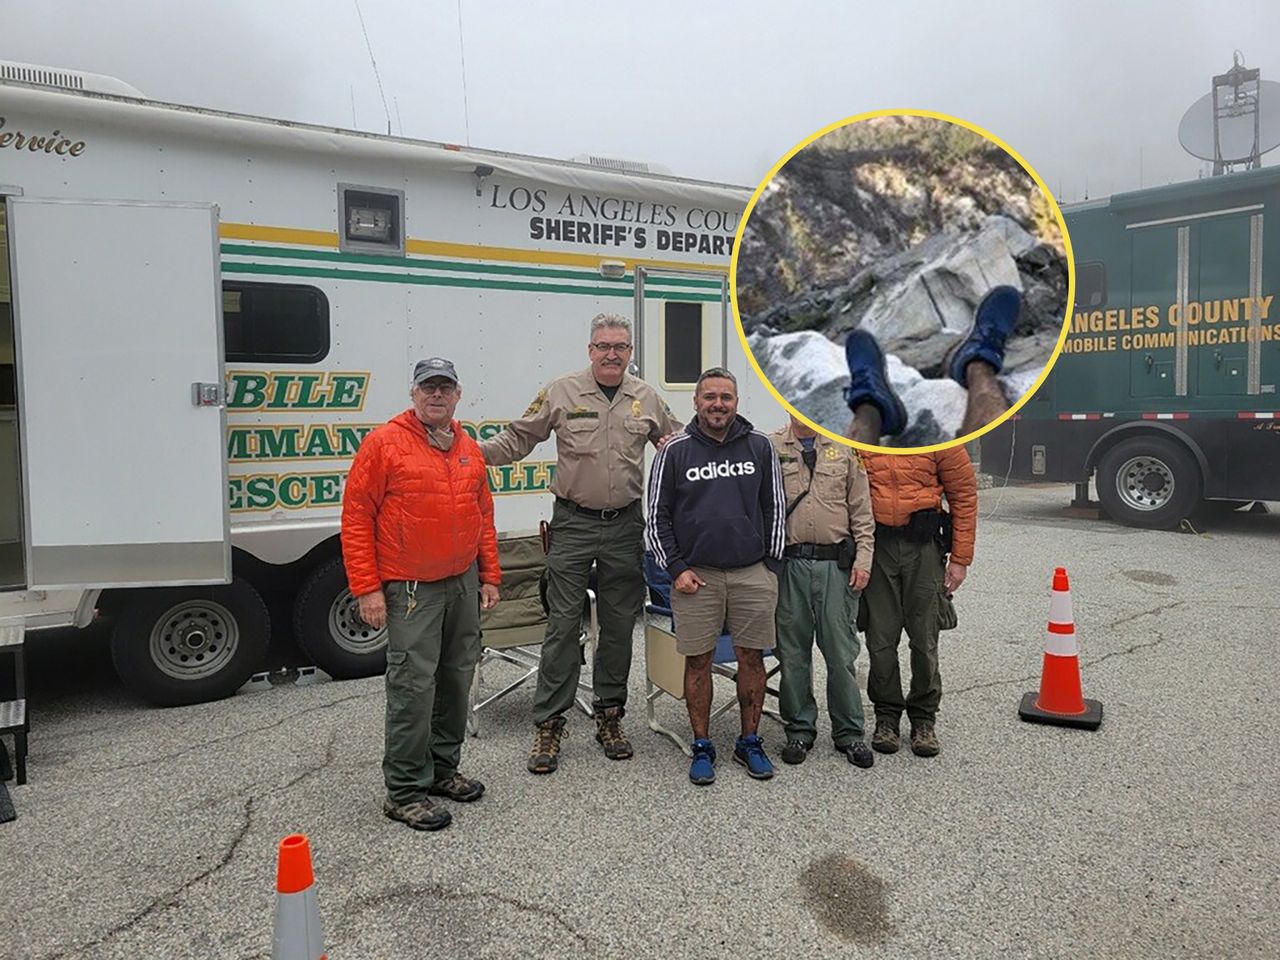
[(812, 551), (608, 513)]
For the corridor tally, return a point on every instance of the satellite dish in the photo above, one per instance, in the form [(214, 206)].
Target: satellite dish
[(1236, 122)]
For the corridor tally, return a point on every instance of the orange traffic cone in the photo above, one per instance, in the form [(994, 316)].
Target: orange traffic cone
[(1060, 700), (297, 932)]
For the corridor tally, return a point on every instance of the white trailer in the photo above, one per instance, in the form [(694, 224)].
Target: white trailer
[(202, 314)]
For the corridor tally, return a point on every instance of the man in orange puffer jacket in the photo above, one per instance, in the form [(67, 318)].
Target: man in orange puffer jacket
[(420, 549), (909, 573)]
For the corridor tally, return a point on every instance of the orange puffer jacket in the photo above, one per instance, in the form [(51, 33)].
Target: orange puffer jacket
[(902, 483), (411, 511)]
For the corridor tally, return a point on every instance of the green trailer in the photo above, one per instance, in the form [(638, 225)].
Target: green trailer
[(1165, 390)]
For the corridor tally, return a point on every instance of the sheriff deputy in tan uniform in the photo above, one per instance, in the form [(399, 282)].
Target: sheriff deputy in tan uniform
[(830, 542), (602, 418)]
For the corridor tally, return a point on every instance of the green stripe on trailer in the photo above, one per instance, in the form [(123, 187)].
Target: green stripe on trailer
[(432, 280)]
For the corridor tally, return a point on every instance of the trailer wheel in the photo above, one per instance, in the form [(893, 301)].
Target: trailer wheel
[(181, 645), (1149, 482), (327, 626)]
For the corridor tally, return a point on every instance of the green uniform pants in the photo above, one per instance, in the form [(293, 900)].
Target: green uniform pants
[(616, 548), (431, 656), (906, 581), (815, 600)]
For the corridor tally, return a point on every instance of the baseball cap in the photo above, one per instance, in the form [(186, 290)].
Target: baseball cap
[(434, 367)]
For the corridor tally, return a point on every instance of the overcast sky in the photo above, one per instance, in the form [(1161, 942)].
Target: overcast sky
[(1089, 92)]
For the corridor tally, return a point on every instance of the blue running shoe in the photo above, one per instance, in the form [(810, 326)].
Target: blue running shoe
[(992, 323), (869, 382), (749, 751), (703, 769)]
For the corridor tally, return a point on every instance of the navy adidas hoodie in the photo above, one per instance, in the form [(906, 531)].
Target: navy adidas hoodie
[(716, 504)]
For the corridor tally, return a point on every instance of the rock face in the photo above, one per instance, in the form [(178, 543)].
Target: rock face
[(899, 230)]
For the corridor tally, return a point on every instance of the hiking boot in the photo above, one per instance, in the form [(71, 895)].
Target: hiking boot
[(924, 742), (609, 733), (858, 753), (702, 770), (795, 751), (544, 756), (869, 382), (886, 739), (993, 321), (459, 788), (420, 814), (749, 751)]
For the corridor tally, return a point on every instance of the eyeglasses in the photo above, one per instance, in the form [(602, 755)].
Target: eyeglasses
[(611, 347), (442, 388)]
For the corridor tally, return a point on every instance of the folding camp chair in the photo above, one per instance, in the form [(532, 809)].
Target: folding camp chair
[(519, 645), (664, 666)]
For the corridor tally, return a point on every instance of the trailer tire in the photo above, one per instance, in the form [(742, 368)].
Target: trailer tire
[(328, 628), (1150, 482), (181, 645)]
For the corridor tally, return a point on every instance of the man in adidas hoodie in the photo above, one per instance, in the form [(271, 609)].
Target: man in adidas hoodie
[(716, 518)]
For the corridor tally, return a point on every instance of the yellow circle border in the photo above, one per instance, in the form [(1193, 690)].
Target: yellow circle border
[(987, 135)]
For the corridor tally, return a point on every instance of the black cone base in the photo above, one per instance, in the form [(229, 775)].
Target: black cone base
[(1091, 719)]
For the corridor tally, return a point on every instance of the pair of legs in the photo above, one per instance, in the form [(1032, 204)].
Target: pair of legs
[(817, 605), (986, 402), (697, 690), (433, 643), (903, 595), (614, 546), (743, 602), (973, 363)]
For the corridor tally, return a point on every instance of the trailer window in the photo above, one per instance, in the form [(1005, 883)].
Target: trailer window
[(682, 343), (372, 220), (1091, 285), (274, 322)]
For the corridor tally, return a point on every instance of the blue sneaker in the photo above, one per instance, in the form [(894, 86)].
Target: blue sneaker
[(992, 323), (703, 769), (749, 751), (869, 382)]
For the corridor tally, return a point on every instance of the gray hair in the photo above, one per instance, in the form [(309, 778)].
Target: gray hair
[(716, 373), (602, 320)]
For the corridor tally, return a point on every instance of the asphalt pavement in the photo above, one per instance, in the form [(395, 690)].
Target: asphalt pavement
[(152, 833)]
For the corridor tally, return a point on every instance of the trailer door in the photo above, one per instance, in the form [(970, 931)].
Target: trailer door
[(118, 333), (680, 330)]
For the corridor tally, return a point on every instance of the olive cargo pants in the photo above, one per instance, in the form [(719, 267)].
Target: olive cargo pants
[(432, 651), (615, 546), (906, 581), (815, 600)]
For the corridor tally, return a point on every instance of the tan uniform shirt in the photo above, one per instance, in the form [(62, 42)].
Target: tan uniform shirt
[(599, 444), (838, 504)]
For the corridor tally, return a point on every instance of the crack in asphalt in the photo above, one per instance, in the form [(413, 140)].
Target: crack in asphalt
[(171, 898), (1133, 648), (204, 746), (443, 893)]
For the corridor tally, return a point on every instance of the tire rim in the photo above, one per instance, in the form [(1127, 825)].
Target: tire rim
[(349, 631), (194, 640), (1145, 484)]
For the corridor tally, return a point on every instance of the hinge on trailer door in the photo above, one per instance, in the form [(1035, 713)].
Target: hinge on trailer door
[(207, 394)]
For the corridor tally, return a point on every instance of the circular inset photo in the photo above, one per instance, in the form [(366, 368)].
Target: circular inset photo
[(902, 281)]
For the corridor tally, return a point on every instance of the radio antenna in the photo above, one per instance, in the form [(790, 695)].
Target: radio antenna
[(462, 54), (373, 63)]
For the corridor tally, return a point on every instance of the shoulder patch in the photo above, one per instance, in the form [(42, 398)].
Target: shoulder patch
[(857, 458), (537, 404)]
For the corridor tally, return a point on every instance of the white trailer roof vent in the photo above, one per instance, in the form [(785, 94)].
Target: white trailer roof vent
[(620, 163), (66, 79)]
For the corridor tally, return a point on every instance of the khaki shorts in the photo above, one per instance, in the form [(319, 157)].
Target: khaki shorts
[(740, 602)]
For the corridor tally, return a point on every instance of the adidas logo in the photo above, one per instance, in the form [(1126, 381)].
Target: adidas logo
[(724, 468)]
